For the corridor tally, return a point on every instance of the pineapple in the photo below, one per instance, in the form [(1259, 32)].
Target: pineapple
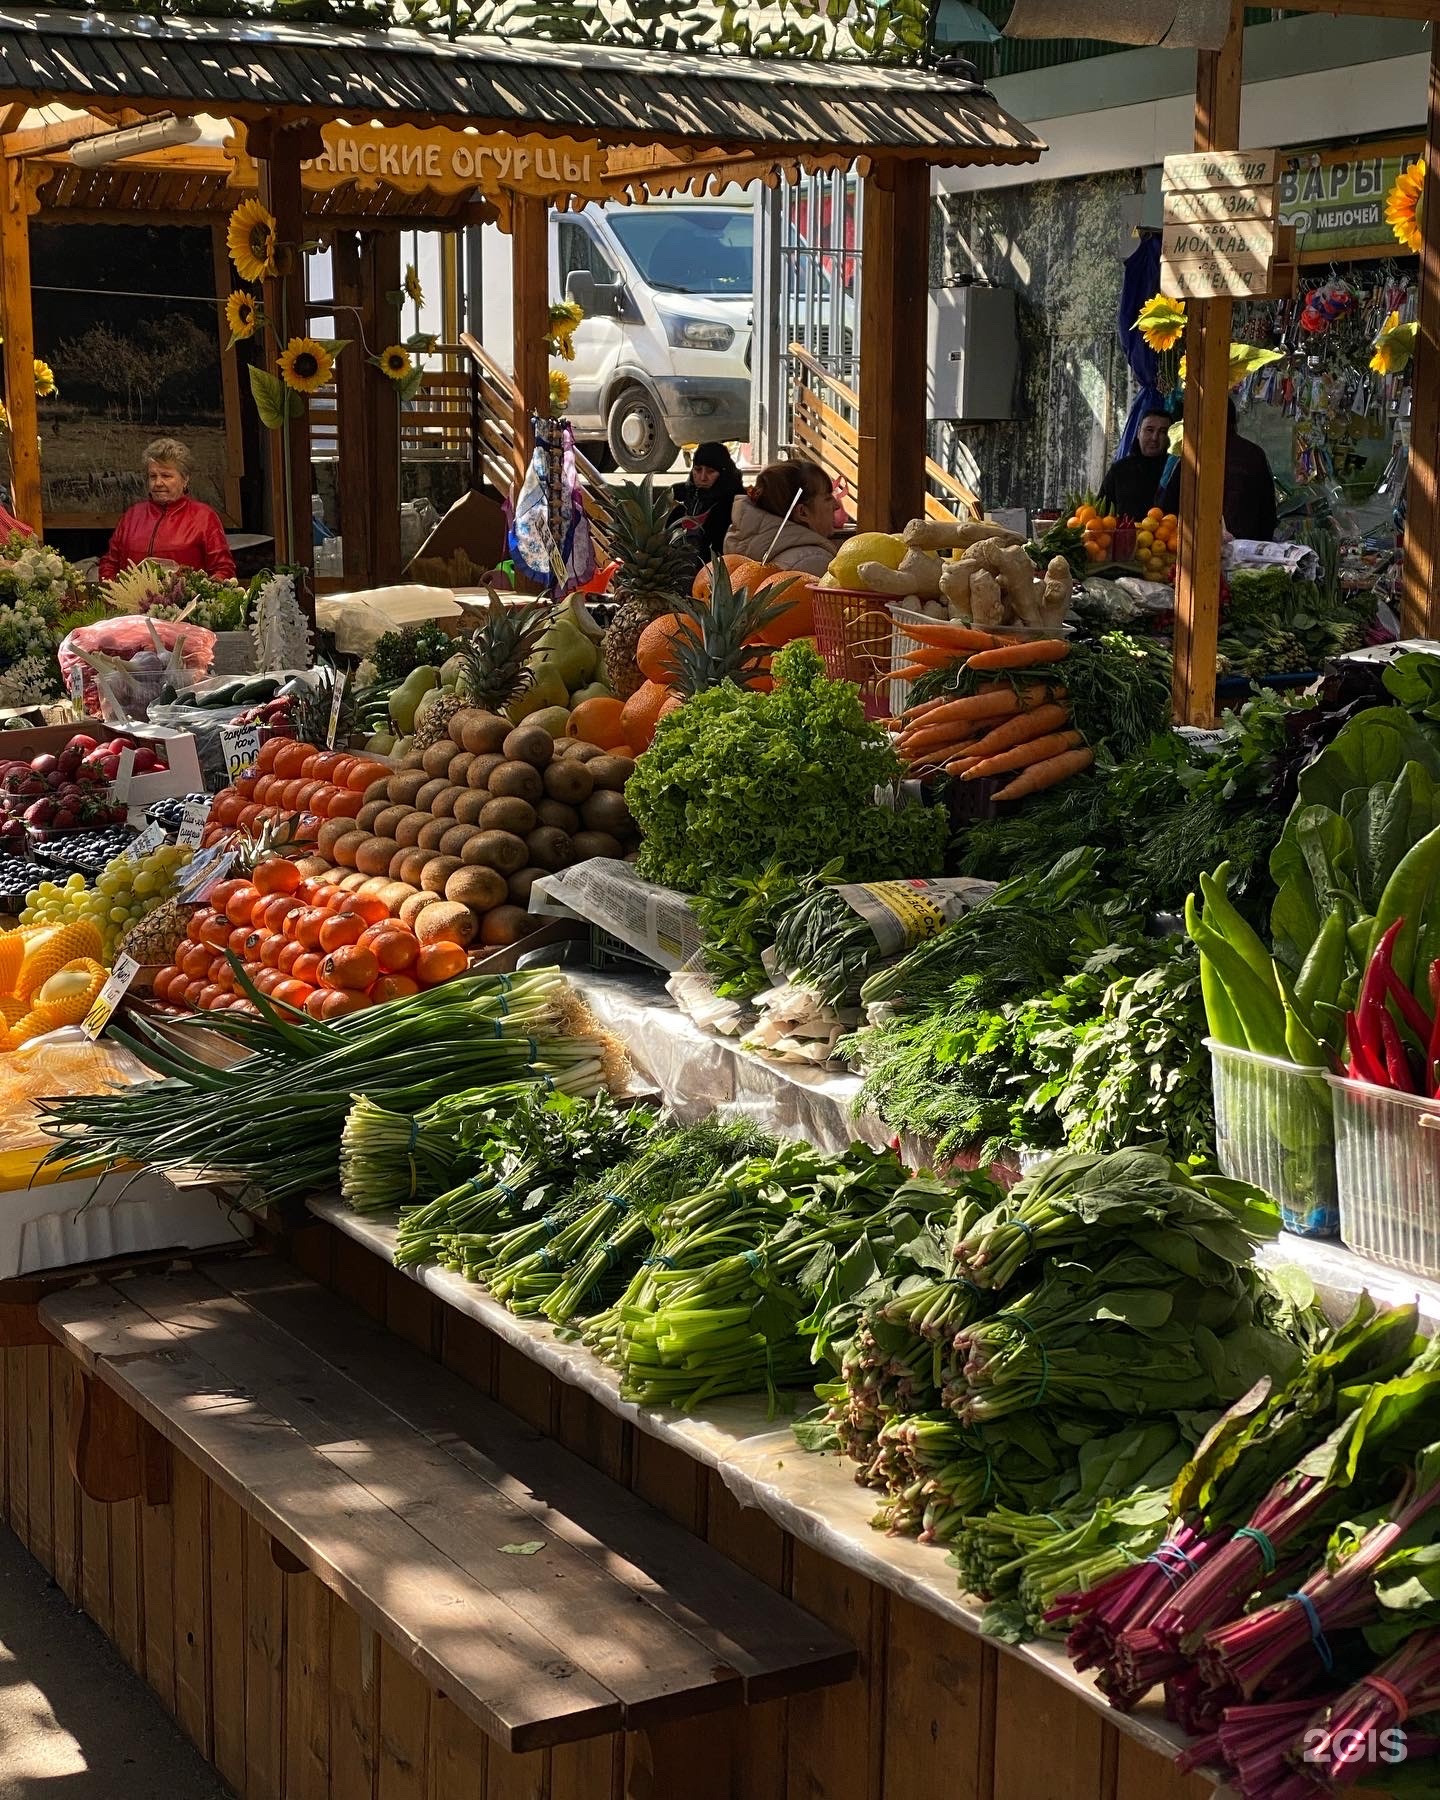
[(310, 710), (494, 667), (714, 645), (657, 565)]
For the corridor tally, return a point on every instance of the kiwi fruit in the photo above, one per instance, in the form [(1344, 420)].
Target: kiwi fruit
[(412, 759), (378, 790), (548, 848), (609, 771), (596, 843), (506, 814), (443, 805), (428, 793), (312, 867), (369, 888), (407, 832), (403, 788), (347, 847), (505, 925), (413, 905), (586, 752), (607, 811), (480, 732), (369, 813), (353, 882), (476, 887), (479, 773), (500, 850), (395, 894), (447, 921), (431, 833), (470, 805), (397, 864), (521, 882), (437, 872), (330, 834), (529, 744), (517, 780), (456, 838), (375, 855), (570, 781), (563, 818), (460, 766), (437, 759), (385, 824), (412, 865)]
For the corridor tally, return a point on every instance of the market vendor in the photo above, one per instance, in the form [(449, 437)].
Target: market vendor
[(171, 525), (1132, 483), (1249, 504), (786, 519), (706, 500)]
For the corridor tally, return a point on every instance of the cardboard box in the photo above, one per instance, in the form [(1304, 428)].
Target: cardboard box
[(182, 777)]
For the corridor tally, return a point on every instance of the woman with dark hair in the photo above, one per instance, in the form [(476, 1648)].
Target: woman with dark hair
[(708, 498), (787, 519)]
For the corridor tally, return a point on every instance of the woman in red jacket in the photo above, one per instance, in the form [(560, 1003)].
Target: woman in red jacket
[(170, 526)]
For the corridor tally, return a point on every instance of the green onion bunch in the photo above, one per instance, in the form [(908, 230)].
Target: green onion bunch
[(390, 1159)]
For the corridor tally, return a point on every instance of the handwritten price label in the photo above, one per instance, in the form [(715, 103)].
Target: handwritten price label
[(337, 697), (125, 970), (120, 786), (203, 873), (241, 747), (192, 824)]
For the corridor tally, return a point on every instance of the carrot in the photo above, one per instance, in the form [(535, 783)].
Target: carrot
[(946, 637), (1020, 656), (1039, 722), (933, 657), (924, 743), (995, 703), (912, 713), (1045, 774), (1021, 756), (907, 672), (959, 766)]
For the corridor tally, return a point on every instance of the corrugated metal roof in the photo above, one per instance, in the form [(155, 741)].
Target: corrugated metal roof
[(617, 95)]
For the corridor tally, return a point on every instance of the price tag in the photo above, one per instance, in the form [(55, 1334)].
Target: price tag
[(192, 824), (149, 839), (120, 786), (241, 747), (208, 868), (338, 696), (125, 970), (75, 686)]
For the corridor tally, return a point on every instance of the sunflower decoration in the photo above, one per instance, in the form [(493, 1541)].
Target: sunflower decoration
[(250, 239), (306, 365), (242, 316), (1161, 323), (45, 388), (4, 417), (395, 362), (413, 289), (1245, 359), (1394, 347), (564, 321), (1405, 207), (559, 390)]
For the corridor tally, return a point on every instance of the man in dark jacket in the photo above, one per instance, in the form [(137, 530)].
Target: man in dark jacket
[(1132, 485), (1249, 505)]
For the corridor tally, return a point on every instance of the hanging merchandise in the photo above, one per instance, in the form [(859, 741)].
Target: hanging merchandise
[(550, 534), (1324, 305)]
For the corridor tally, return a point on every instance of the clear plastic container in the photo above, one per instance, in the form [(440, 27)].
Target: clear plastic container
[(1387, 1155), (1275, 1127)]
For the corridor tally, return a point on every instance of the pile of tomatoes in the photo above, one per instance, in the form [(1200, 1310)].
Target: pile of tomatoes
[(317, 948), (296, 782)]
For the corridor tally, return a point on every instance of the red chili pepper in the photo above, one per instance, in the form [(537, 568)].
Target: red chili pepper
[(1411, 1011), (1397, 1063), (1363, 1066), (1371, 1006), (1435, 984)]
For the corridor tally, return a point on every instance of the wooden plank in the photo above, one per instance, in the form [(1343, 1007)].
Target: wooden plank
[(307, 1688), (809, 402), (310, 1249), (226, 1548), (1205, 170), (359, 1276), (524, 1388), (37, 1391), (353, 380), (18, 325), (192, 1603), (1237, 278), (746, 1537), (264, 1668), (1049, 1744), (530, 274), (831, 458), (404, 1728), (229, 382), (95, 1574), (157, 1598), (595, 1434), (411, 1312), (836, 1739), (64, 1495), (510, 1777), (1218, 207), (937, 1729), (126, 1596), (281, 191), (468, 1349), (895, 253), (355, 1708), (1144, 1774), (1420, 575), (1234, 243), (592, 1771), (671, 1481), (457, 1755), (1202, 462), (17, 1445), (517, 1683), (381, 276)]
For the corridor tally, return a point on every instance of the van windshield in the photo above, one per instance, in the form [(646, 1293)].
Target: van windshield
[(700, 250)]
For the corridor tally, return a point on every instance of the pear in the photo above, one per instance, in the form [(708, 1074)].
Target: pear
[(575, 612), (597, 690), (450, 670), (553, 719), (547, 689), (567, 650), (406, 698), (381, 744)]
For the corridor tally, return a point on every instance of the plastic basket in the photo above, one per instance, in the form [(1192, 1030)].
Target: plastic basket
[(1387, 1156), (854, 633), (1275, 1128)]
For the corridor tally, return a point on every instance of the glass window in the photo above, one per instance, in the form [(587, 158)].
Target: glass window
[(578, 250), (692, 250)]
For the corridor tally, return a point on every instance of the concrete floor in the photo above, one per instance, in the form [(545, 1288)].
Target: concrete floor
[(75, 1723)]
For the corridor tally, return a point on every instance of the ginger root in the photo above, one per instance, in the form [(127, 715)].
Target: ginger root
[(955, 583), (954, 534), (1056, 594), (987, 601)]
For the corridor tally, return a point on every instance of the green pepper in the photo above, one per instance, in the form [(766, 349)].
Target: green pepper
[(1323, 970), (1406, 897), (1358, 939), (1220, 1013), (1256, 1005), (1222, 917)]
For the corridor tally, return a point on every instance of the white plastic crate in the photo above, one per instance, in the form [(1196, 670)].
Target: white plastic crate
[(1387, 1156), (72, 1222), (898, 692), (1275, 1128)]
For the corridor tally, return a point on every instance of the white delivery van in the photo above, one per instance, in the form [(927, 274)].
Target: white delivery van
[(663, 356)]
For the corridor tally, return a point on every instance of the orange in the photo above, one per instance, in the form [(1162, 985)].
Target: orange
[(798, 618), (394, 987), (641, 713), (439, 962), (598, 721), (654, 654), (1085, 514), (349, 967), (269, 750)]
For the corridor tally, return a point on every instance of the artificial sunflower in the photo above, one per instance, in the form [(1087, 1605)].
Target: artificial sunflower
[(1245, 359), (1405, 205), (45, 387), (241, 316), (395, 362), (1394, 347), (565, 320), (306, 365), (4, 417), (413, 289), (250, 238), (1161, 322), (559, 390)]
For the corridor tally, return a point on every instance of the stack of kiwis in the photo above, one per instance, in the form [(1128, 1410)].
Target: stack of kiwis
[(469, 823)]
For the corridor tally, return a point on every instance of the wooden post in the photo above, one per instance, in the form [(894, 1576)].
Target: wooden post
[(530, 252), (894, 291), (1419, 601), (279, 153), (354, 379), (381, 264), (19, 327), (1207, 391)]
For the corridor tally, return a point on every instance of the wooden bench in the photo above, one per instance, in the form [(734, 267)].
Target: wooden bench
[(546, 1601)]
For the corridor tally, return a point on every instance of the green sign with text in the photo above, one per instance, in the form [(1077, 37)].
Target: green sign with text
[(1335, 199)]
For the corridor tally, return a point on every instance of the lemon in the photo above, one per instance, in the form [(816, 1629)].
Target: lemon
[(866, 546)]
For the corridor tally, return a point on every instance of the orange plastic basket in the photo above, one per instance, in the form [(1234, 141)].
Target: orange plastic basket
[(853, 635)]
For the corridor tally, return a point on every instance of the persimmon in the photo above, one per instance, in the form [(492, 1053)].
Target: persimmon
[(393, 987), (240, 903), (306, 967), (395, 946), (269, 750), (341, 928), (339, 1001), (290, 954), (307, 928), (292, 993), (349, 967), (439, 962), (271, 950)]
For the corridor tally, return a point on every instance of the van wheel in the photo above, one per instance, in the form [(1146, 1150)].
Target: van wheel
[(636, 434)]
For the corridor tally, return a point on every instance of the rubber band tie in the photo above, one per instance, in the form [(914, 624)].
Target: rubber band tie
[(1317, 1635), (414, 1133), (1388, 1691), (1029, 1230), (1034, 1336), (657, 1262), (1163, 1556), (1262, 1544)]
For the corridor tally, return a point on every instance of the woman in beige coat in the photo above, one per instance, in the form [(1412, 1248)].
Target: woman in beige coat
[(759, 527)]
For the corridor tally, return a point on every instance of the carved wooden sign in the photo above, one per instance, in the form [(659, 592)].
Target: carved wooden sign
[(1220, 239)]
